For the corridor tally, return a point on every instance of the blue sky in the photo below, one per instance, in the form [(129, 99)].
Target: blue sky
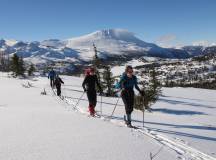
[(166, 22)]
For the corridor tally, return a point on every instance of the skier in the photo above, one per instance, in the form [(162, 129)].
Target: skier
[(127, 82), (58, 81), (52, 76), (89, 86)]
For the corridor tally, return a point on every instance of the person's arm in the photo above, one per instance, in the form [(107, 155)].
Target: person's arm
[(48, 75), (136, 84), (122, 81), (84, 83), (137, 87), (61, 80)]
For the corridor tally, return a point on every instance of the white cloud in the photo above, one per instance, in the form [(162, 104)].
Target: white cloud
[(168, 41), (204, 43), (166, 38)]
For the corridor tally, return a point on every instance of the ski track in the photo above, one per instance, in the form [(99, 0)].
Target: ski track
[(184, 151)]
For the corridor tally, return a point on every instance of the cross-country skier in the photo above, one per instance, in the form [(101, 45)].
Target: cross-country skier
[(89, 86), (127, 83), (58, 81), (52, 76)]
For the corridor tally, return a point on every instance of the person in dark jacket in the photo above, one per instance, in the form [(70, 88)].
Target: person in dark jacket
[(128, 81), (52, 76), (58, 81), (89, 86)]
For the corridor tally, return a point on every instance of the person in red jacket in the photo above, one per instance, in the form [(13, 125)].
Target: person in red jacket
[(89, 86)]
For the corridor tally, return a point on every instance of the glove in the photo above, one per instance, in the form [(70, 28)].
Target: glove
[(101, 92), (142, 93)]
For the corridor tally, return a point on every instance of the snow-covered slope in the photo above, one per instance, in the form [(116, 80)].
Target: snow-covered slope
[(34, 126), (37, 127)]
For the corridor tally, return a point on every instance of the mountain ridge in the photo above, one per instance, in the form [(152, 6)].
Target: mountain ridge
[(109, 42)]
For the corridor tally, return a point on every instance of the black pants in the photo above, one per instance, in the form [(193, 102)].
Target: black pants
[(58, 90), (92, 97), (52, 82), (128, 99)]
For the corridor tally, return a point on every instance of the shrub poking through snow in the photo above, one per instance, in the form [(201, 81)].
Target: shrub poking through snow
[(152, 92)]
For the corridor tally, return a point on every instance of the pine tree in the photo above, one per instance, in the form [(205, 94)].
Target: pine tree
[(152, 91), (31, 70), (97, 63), (108, 80), (17, 65), (4, 61), (21, 67), (152, 94), (96, 60)]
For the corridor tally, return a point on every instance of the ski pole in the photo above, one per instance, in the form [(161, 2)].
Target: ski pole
[(101, 106), (115, 107), (143, 112), (79, 99), (74, 90)]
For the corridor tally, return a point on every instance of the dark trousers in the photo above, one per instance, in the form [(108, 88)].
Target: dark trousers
[(52, 82), (92, 97), (128, 99), (58, 90)]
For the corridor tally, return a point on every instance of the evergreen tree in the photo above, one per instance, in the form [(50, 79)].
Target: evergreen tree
[(4, 61), (108, 80), (17, 65), (152, 92), (21, 67), (31, 70), (97, 63), (96, 60)]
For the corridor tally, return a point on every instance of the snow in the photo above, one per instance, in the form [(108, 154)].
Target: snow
[(34, 126), (43, 127), (111, 42), (10, 42)]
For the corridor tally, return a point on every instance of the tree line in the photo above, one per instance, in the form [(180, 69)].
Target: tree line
[(16, 65)]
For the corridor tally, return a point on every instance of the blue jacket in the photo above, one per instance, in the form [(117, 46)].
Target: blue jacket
[(52, 75), (128, 83)]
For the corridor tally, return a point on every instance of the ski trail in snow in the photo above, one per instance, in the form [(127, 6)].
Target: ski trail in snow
[(178, 146), (184, 151)]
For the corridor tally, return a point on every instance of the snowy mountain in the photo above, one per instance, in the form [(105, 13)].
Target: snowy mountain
[(112, 45), (115, 42)]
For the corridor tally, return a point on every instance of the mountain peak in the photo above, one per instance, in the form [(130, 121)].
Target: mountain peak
[(114, 33)]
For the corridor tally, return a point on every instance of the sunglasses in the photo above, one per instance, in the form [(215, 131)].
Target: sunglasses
[(131, 71)]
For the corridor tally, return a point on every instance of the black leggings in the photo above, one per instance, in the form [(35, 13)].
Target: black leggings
[(52, 82), (92, 97), (58, 90), (128, 99)]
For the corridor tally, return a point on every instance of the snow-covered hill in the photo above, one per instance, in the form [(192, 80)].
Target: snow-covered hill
[(33, 126)]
